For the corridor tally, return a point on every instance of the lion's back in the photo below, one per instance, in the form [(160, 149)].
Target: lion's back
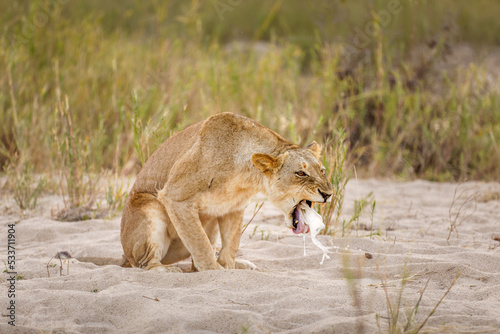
[(223, 139), (154, 173)]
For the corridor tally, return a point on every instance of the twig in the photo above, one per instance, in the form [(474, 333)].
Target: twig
[(415, 309), (232, 301), (435, 307), (48, 263), (12, 96), (388, 304), (60, 255), (454, 221), (254, 214), (155, 298)]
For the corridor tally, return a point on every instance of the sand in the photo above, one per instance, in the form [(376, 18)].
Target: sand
[(289, 292)]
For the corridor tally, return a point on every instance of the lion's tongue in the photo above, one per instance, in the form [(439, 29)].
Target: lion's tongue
[(298, 219)]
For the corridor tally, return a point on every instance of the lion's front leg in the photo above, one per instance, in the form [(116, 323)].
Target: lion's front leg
[(230, 232), (188, 226)]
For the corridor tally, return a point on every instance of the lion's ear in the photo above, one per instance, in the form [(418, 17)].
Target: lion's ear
[(266, 163), (315, 149)]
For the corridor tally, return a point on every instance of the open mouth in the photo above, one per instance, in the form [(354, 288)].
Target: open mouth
[(298, 220)]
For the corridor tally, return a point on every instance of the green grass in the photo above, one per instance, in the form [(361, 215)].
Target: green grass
[(127, 75), (335, 161)]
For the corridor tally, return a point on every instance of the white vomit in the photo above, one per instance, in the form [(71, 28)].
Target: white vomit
[(315, 223)]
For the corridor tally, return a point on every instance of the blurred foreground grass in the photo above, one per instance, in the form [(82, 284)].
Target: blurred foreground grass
[(88, 86)]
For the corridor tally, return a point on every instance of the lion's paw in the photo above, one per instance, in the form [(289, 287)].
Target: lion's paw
[(166, 268), (244, 264)]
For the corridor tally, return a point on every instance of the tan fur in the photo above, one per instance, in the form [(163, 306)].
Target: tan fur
[(198, 183)]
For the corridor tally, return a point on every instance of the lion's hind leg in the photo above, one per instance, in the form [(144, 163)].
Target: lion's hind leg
[(144, 235)]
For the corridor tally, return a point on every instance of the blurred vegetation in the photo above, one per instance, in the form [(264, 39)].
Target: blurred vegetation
[(129, 73)]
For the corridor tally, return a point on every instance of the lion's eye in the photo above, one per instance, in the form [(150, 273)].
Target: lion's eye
[(301, 173)]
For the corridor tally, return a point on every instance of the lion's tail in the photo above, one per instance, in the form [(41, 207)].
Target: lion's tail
[(105, 261)]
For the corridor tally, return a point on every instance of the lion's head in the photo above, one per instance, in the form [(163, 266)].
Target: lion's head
[(293, 177)]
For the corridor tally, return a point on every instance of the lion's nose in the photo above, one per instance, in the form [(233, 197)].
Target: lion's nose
[(325, 196)]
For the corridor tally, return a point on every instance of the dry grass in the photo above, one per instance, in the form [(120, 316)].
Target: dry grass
[(462, 207), (94, 87)]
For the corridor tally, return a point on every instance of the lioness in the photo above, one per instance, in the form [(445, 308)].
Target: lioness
[(200, 180)]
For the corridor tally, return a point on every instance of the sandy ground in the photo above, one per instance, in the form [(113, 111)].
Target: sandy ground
[(289, 292)]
